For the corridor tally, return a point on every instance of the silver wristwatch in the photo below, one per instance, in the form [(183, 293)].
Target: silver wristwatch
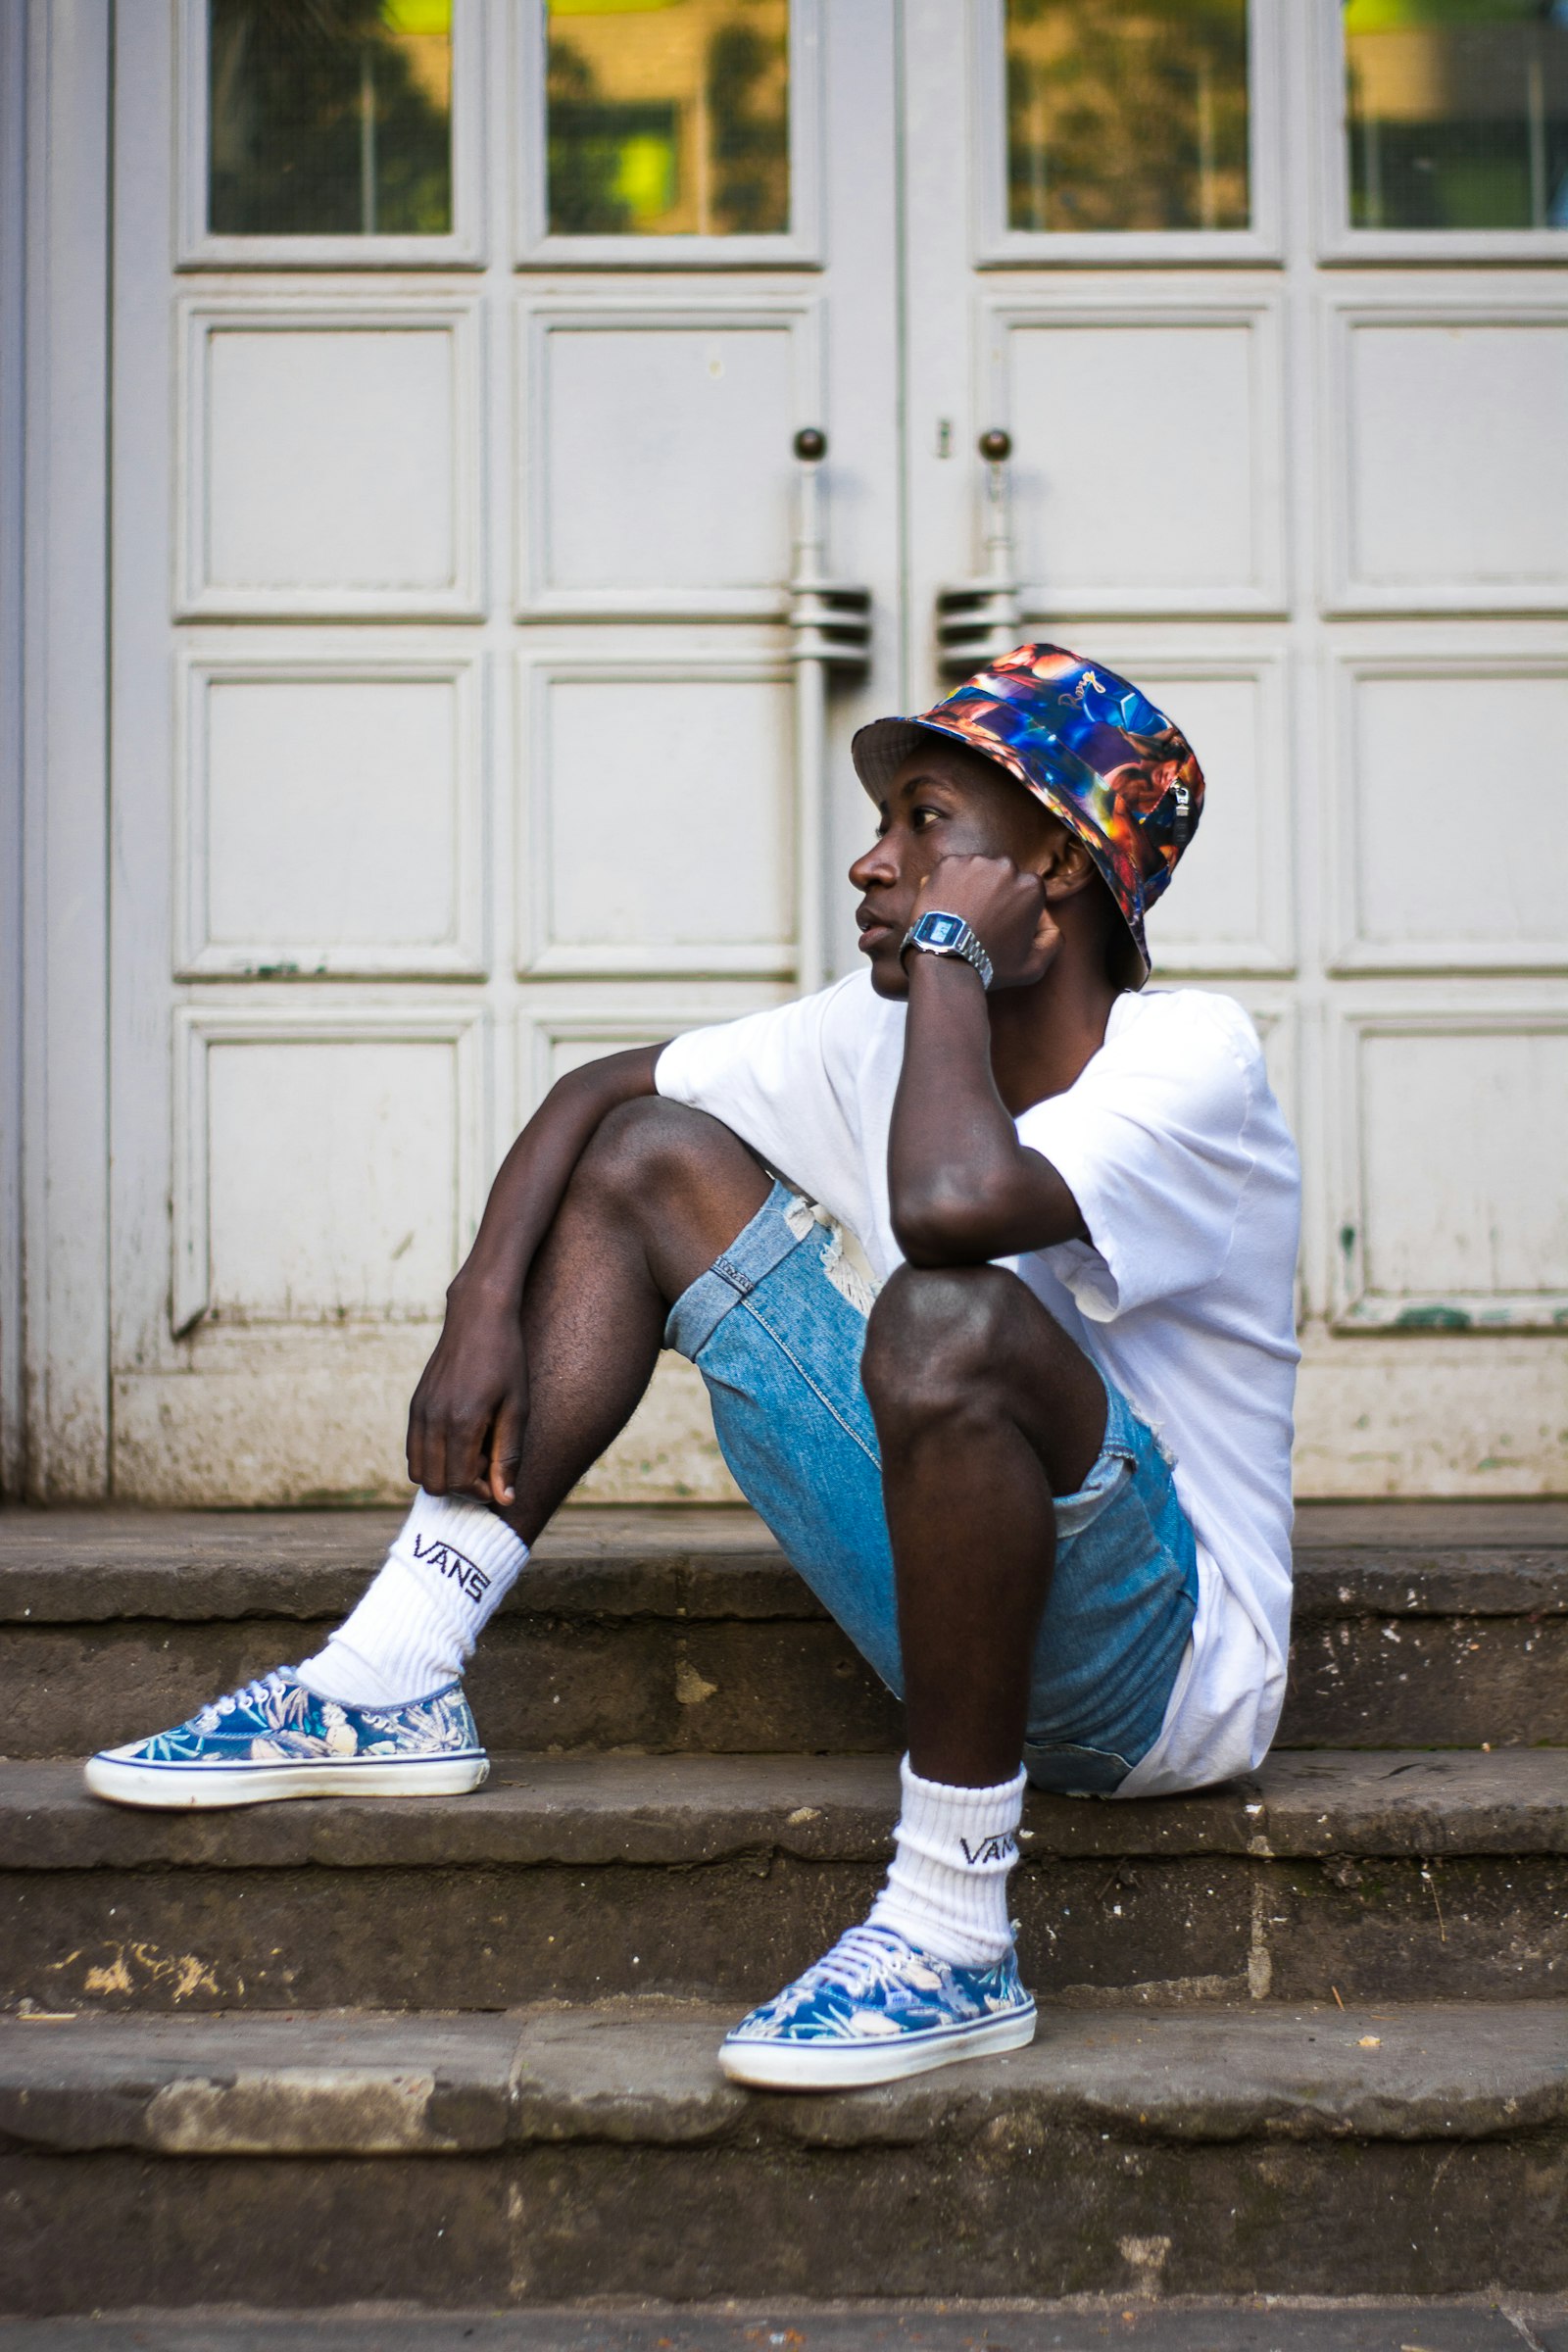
[(937, 934)]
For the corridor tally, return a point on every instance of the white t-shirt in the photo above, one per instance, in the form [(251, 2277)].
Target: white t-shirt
[(1176, 1153)]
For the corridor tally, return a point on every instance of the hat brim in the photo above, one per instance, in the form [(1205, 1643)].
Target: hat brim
[(881, 747)]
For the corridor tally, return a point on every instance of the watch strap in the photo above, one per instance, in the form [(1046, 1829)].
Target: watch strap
[(937, 933)]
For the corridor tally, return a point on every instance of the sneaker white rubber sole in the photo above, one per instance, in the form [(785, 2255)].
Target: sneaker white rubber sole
[(855, 2065), (170, 1788)]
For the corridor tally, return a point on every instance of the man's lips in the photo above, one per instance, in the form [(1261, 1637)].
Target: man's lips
[(873, 928)]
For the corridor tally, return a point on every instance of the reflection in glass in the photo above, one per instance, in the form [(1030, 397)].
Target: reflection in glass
[(668, 118), (1127, 114), (1457, 113), (329, 118)]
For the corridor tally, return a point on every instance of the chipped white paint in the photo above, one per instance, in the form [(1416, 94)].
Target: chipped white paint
[(691, 1691), (1146, 2258), (296, 2111), (132, 1967), (1260, 1959)]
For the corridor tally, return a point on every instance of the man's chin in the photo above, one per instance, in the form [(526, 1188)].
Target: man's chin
[(888, 977)]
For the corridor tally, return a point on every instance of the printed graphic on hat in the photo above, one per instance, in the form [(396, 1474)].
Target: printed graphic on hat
[(1113, 767)]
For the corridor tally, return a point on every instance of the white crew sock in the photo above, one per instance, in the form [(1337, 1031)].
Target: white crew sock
[(449, 1570), (947, 1891)]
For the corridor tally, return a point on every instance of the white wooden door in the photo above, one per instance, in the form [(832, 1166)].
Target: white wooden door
[(1271, 302), (453, 728), (454, 724)]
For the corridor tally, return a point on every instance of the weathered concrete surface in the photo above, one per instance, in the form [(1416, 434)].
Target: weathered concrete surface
[(1439, 1681), (687, 1809), (676, 1683), (1086, 2325), (659, 1684), (1411, 1878), (357, 2083), (74, 1565), (684, 1631), (1320, 2149)]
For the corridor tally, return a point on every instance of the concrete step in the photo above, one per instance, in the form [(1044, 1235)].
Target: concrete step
[(1406, 1876), (546, 2154), (1495, 2323), (685, 1632)]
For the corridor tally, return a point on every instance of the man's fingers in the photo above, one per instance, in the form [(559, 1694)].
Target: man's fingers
[(466, 1451), (505, 1452), (434, 1479), (414, 1448)]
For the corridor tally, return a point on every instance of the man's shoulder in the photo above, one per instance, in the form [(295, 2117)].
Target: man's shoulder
[(856, 1019), (1198, 1020)]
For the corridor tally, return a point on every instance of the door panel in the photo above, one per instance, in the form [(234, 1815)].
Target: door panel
[(307, 475), (658, 470), (1102, 389)]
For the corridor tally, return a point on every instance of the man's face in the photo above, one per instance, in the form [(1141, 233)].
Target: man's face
[(941, 804)]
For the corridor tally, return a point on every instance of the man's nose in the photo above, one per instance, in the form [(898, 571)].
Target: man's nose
[(876, 865)]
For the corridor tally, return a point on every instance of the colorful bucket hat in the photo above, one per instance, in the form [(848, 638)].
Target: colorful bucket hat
[(1115, 772)]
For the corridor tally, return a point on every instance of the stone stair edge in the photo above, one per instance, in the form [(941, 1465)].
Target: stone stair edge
[(631, 2072), (1491, 2320), (86, 1567), (640, 1811)]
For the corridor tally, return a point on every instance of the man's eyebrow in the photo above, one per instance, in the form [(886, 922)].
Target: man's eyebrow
[(925, 776)]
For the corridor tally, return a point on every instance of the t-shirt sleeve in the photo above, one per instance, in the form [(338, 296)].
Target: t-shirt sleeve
[(1152, 1143), (769, 1077)]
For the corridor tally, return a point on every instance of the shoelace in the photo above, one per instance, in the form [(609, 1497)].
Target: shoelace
[(860, 1954), (251, 1696)]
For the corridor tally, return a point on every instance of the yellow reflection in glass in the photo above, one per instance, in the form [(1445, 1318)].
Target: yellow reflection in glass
[(329, 118), (1127, 114), (668, 118), (1456, 114)]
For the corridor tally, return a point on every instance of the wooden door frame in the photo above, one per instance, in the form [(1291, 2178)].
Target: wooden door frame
[(54, 1190)]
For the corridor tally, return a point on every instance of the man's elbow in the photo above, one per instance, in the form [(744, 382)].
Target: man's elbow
[(942, 1226)]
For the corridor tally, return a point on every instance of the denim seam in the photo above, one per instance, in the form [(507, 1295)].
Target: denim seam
[(826, 1401), (1077, 1747)]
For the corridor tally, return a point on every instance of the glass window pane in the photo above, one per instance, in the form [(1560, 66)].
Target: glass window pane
[(329, 118), (1127, 114), (1457, 113), (668, 118)]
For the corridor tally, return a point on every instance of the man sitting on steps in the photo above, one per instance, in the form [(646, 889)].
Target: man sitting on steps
[(986, 1262)]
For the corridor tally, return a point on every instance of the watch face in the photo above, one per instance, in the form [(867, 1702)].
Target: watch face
[(938, 930)]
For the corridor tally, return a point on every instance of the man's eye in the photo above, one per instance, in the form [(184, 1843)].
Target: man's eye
[(919, 816)]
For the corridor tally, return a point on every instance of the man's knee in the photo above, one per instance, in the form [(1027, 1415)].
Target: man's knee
[(652, 1147), (939, 1340)]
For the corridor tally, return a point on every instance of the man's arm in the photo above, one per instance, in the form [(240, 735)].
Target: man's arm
[(471, 1403), (962, 1187)]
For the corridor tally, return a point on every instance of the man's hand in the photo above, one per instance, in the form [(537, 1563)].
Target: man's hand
[(471, 1408), (1005, 906)]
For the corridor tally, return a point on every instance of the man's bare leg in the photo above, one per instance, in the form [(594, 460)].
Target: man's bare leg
[(659, 1193), (986, 1412)]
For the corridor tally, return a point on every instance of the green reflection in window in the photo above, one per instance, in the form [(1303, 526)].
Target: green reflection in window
[(668, 118), (329, 118), (1127, 114), (1457, 113)]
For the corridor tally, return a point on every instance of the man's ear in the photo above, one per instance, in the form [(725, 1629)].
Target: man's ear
[(1069, 868)]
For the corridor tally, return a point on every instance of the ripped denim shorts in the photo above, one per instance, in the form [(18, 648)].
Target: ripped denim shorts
[(776, 1327)]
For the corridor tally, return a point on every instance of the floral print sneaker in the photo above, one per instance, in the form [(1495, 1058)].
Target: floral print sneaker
[(277, 1738), (874, 2009)]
